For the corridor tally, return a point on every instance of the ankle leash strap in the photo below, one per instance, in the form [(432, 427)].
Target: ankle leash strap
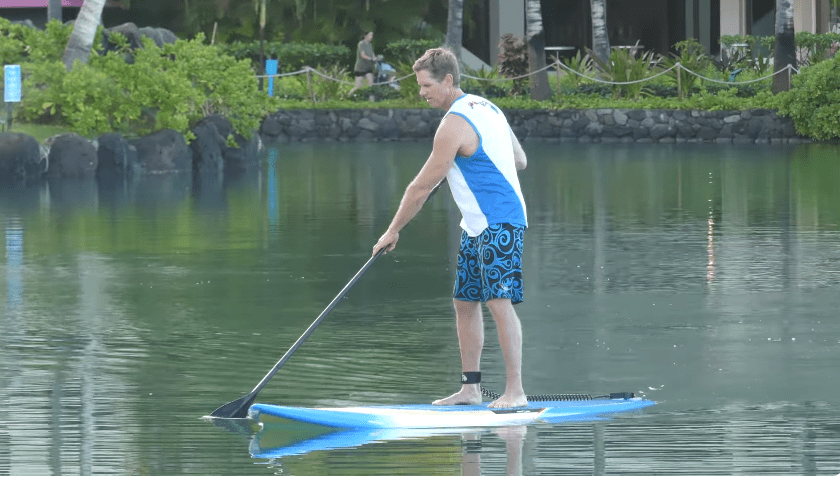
[(470, 377)]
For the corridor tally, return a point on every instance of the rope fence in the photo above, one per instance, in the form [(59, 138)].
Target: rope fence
[(557, 66)]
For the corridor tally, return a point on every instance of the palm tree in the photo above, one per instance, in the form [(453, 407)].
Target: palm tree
[(600, 36), (260, 6), (84, 31), (455, 27), (785, 45), (536, 50)]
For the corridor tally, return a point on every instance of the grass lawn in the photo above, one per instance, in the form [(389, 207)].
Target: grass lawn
[(41, 132)]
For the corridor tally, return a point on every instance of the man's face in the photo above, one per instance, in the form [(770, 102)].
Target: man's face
[(434, 92)]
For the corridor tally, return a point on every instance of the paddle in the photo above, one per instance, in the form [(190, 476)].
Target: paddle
[(239, 409)]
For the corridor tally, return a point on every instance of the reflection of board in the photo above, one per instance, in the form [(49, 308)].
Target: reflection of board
[(427, 416)]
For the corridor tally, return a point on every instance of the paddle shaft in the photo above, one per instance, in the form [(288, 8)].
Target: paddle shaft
[(317, 322), (239, 407)]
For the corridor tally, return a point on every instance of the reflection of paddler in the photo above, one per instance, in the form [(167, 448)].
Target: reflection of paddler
[(514, 437)]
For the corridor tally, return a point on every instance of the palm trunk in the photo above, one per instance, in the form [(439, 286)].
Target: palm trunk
[(600, 36), (785, 45), (536, 50), (262, 40), (84, 31), (455, 27)]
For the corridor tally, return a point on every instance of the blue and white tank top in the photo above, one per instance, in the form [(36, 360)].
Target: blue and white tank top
[(485, 186)]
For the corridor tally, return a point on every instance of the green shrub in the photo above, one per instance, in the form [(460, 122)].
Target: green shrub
[(583, 65), (330, 86), (291, 56), (409, 89), (12, 42), (487, 84), (169, 87), (407, 51), (43, 83), (690, 54), (813, 48), (291, 88), (814, 101)]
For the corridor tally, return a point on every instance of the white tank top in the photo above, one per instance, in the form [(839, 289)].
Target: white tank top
[(485, 186)]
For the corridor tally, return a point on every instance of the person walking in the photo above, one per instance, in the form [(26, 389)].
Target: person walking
[(365, 58), (475, 150)]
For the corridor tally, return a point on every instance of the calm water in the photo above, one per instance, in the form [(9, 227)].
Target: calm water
[(706, 278)]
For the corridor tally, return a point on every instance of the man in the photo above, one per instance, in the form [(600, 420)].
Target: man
[(476, 151)]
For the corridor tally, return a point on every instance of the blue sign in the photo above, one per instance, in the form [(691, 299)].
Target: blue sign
[(12, 91), (271, 69)]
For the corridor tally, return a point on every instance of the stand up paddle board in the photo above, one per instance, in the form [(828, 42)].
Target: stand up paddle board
[(427, 416)]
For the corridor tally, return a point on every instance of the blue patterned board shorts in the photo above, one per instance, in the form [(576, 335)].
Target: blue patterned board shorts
[(490, 265)]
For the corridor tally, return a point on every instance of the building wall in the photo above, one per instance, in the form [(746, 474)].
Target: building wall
[(808, 15), (506, 16), (811, 15)]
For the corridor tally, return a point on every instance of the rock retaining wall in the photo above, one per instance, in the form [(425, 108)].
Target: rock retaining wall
[(601, 125)]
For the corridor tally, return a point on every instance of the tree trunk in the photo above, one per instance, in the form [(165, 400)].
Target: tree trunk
[(785, 45), (262, 40), (84, 32), (455, 27), (600, 35), (54, 11), (536, 50)]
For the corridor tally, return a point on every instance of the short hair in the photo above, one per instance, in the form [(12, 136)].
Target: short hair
[(439, 62)]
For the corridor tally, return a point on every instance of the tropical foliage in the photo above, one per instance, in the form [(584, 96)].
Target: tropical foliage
[(513, 62), (690, 54), (626, 66), (169, 87), (178, 84), (814, 101)]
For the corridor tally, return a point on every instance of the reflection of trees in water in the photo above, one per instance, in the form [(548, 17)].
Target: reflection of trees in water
[(70, 403)]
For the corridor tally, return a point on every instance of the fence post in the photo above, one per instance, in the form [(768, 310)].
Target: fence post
[(789, 67), (679, 80), (309, 83), (559, 79)]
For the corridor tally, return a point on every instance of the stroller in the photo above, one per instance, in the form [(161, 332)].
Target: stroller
[(385, 74)]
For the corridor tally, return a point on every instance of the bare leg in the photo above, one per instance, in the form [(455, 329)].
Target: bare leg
[(356, 86), (369, 78), (510, 339), (514, 437), (470, 324)]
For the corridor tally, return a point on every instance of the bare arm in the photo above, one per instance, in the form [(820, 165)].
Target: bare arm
[(448, 140), (518, 153)]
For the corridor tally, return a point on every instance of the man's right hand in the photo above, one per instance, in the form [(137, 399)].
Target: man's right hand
[(388, 241)]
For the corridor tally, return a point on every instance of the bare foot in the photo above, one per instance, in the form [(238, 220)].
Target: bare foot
[(517, 400), (466, 396)]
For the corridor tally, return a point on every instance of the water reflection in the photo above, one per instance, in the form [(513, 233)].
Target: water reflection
[(14, 263), (706, 277), (273, 443)]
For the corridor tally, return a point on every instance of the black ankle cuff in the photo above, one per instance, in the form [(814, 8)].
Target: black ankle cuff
[(470, 377)]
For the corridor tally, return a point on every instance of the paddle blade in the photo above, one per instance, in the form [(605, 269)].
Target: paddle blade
[(235, 409)]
